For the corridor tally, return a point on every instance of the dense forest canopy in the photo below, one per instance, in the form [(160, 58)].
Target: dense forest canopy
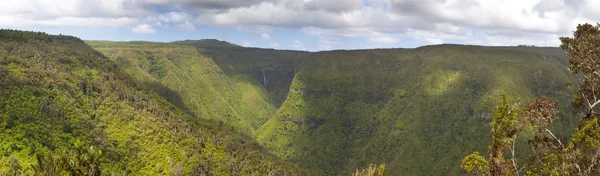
[(66, 108), (209, 107)]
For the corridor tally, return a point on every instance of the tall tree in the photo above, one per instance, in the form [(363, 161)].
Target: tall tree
[(584, 60)]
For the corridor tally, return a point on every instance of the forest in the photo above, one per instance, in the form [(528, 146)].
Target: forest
[(209, 107)]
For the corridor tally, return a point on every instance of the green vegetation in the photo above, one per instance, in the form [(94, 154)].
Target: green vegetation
[(193, 82), (551, 156), (204, 84), (56, 91), (418, 110), (191, 107), (80, 160), (372, 170), (274, 70)]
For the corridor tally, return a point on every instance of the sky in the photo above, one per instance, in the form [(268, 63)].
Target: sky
[(311, 25)]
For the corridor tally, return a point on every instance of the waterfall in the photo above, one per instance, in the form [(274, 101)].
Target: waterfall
[(264, 79)]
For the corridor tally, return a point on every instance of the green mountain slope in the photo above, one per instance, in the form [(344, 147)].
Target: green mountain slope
[(238, 86), (55, 90), (273, 69), (417, 110)]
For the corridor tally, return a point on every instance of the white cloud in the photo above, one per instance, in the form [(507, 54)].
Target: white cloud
[(324, 47), (186, 25), (330, 21), (384, 39), (275, 44), (247, 44), (265, 36), (144, 29), (173, 17), (297, 45), (384, 20)]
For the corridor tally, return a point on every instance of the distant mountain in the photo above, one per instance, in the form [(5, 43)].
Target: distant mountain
[(207, 43), (56, 90)]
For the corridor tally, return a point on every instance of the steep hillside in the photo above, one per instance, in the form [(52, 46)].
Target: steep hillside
[(55, 90), (417, 110), (274, 69), (238, 86)]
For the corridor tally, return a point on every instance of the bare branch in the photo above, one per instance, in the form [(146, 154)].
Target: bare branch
[(512, 151), (594, 105), (585, 98), (561, 145)]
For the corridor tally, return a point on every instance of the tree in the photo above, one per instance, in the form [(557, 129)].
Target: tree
[(505, 128), (584, 60), (551, 156), (79, 160), (475, 165)]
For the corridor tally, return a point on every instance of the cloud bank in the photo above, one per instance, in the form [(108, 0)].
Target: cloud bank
[(381, 22)]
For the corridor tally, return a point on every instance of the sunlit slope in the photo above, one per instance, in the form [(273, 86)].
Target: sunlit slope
[(273, 69), (417, 110), (192, 81), (55, 90)]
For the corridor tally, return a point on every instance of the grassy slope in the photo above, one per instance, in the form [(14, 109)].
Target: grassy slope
[(420, 110), (55, 90)]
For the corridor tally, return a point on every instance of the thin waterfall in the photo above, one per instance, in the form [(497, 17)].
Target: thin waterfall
[(264, 79)]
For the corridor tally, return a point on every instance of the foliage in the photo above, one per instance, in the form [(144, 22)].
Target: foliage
[(505, 128), (79, 160), (274, 70), (475, 164), (195, 84), (372, 170), (56, 90), (580, 156), (419, 110), (202, 84)]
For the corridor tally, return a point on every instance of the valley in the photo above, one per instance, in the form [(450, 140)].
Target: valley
[(205, 106), (417, 110)]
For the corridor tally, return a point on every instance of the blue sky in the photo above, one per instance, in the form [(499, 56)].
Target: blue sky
[(311, 25)]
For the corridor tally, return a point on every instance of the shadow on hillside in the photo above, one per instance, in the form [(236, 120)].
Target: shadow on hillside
[(172, 96), (274, 70)]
